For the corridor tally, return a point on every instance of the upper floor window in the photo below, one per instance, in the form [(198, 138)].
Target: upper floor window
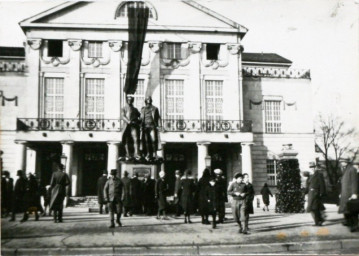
[(272, 172), (94, 98), (214, 99), (122, 10), (272, 116), (54, 97), (55, 48), (95, 50), (212, 51), (174, 99), (174, 51)]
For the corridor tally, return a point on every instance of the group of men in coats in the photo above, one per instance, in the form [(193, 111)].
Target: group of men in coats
[(25, 195), (348, 203)]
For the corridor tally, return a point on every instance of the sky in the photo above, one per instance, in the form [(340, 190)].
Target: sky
[(320, 35)]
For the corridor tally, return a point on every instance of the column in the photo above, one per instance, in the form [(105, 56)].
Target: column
[(247, 159), (67, 149), (202, 154), (31, 160), (161, 154), (20, 160), (112, 155)]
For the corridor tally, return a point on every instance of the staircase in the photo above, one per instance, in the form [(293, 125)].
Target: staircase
[(89, 202)]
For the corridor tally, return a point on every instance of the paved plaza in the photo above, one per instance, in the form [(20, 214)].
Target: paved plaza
[(88, 233)]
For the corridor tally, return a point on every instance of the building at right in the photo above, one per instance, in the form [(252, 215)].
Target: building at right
[(278, 100)]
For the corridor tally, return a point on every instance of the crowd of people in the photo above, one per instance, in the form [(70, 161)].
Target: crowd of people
[(206, 197)]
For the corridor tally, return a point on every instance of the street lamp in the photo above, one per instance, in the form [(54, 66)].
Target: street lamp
[(207, 160)]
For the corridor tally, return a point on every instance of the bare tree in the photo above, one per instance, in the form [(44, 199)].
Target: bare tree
[(336, 140)]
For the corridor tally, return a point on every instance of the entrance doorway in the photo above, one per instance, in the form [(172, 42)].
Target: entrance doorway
[(94, 161), (48, 155)]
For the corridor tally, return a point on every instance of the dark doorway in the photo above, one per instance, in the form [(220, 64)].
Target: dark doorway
[(94, 161), (218, 153), (48, 154)]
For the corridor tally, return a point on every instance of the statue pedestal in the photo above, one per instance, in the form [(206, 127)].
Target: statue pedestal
[(142, 168)]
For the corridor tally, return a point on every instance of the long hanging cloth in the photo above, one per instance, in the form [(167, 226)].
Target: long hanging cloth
[(137, 27)]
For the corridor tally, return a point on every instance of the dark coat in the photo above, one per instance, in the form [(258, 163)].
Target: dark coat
[(100, 188), (214, 196), (177, 191), (148, 190), (161, 192), (203, 186), (136, 193), (31, 196), (316, 191), (113, 190), (249, 198), (127, 200), (222, 189), (19, 193), (187, 188), (265, 191), (349, 186), (59, 181), (7, 186)]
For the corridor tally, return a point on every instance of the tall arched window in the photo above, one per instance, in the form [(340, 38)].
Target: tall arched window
[(122, 9)]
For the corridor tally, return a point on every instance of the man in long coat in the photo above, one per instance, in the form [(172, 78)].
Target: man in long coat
[(316, 191), (7, 186), (221, 183), (136, 194), (18, 196), (161, 192), (187, 188), (249, 199), (59, 181), (148, 190), (127, 200), (113, 192), (100, 196), (349, 190), (31, 197)]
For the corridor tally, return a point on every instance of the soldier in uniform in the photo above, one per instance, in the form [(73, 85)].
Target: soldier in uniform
[(100, 196), (237, 190), (59, 181), (131, 117), (150, 124), (113, 193)]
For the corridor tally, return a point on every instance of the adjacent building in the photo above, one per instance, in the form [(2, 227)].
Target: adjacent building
[(220, 106)]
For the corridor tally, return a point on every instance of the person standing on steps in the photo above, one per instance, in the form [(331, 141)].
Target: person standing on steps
[(113, 193), (203, 204), (187, 188), (265, 192)]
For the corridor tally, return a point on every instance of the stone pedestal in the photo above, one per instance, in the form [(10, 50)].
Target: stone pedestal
[(140, 168)]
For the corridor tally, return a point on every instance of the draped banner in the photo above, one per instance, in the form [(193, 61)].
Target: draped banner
[(137, 27)]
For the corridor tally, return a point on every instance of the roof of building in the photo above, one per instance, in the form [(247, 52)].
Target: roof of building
[(12, 51), (264, 58)]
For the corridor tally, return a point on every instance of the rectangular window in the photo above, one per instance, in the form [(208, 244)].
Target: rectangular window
[(272, 116), (94, 98), (174, 51), (214, 99), (174, 99), (95, 50), (54, 98), (54, 48), (212, 51), (272, 172), (139, 96)]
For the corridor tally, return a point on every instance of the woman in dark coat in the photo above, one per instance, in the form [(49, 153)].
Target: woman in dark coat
[(187, 188), (161, 191), (203, 185), (265, 192), (214, 190), (31, 197)]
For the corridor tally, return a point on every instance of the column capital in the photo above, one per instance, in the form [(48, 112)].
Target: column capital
[(115, 45), (22, 142), (204, 143), (75, 44), (113, 142), (155, 46), (67, 142), (35, 43)]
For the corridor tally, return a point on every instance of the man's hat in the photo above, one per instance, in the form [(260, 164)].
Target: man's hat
[(238, 175), (19, 173), (113, 171), (312, 164), (104, 172), (218, 171)]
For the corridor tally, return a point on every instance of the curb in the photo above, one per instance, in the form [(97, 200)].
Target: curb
[(192, 250)]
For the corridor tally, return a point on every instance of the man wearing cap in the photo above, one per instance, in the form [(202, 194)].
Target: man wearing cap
[(150, 124), (131, 117), (221, 184), (113, 192), (177, 192), (100, 196), (349, 191), (59, 181), (237, 190), (316, 191), (19, 193)]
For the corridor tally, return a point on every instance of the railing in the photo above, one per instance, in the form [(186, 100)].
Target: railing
[(275, 72), (168, 125)]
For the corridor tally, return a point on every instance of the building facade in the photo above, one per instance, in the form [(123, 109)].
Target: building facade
[(217, 103)]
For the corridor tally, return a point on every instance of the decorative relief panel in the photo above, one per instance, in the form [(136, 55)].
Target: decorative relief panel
[(55, 61), (35, 44), (75, 44), (115, 45)]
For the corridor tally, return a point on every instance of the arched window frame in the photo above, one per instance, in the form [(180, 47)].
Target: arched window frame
[(121, 8)]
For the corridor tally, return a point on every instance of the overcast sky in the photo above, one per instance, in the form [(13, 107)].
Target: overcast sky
[(322, 35)]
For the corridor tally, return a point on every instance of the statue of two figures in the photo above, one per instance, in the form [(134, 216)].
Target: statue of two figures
[(140, 135)]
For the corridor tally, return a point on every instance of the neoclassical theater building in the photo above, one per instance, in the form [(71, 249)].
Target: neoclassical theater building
[(220, 106)]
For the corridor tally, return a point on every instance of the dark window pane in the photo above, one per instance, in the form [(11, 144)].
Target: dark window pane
[(54, 48), (212, 51)]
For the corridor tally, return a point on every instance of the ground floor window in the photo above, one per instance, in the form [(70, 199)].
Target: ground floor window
[(272, 172)]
